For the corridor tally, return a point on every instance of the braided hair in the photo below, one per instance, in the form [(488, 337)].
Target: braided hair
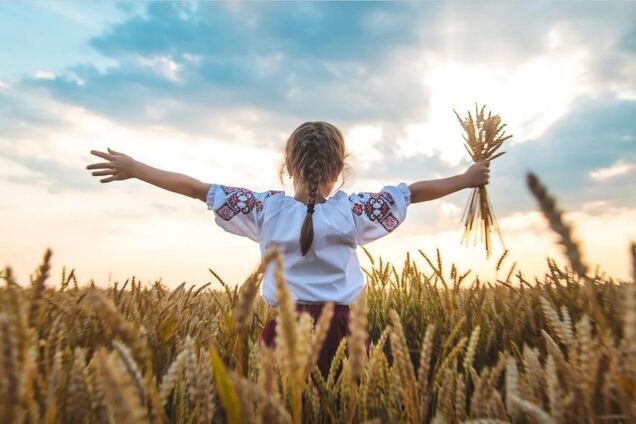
[(314, 153)]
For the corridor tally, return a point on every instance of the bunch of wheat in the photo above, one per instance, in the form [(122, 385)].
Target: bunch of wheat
[(484, 136)]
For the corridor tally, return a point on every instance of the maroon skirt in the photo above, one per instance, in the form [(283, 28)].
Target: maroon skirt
[(338, 329)]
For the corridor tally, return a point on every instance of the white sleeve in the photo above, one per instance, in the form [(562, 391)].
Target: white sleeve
[(238, 210), (377, 214)]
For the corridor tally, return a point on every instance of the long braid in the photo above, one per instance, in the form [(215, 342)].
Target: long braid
[(313, 178), (314, 154)]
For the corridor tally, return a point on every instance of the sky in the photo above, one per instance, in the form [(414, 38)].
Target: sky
[(213, 90)]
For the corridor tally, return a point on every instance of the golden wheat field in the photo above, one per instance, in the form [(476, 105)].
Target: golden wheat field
[(445, 348)]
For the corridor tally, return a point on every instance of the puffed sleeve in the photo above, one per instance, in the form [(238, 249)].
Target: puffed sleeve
[(377, 214), (238, 210)]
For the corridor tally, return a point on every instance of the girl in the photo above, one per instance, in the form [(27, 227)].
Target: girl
[(316, 232)]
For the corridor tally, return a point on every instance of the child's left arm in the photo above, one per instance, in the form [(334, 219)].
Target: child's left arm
[(122, 167), (475, 176)]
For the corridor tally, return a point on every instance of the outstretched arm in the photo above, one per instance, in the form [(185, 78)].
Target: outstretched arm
[(122, 167), (475, 176)]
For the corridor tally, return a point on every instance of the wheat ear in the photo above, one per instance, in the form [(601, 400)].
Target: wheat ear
[(119, 394), (554, 215)]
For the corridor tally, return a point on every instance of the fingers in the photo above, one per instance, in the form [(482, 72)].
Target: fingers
[(109, 179), (100, 165), (102, 154), (111, 151), (107, 172)]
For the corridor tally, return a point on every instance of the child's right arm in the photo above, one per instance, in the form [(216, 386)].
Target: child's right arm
[(122, 167)]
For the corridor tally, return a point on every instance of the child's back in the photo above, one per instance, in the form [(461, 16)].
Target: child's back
[(330, 271)]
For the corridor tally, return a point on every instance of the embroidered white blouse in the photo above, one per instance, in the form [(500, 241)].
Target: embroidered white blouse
[(330, 270)]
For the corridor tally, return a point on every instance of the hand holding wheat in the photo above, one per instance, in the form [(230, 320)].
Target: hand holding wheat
[(478, 174), (119, 166), (484, 136)]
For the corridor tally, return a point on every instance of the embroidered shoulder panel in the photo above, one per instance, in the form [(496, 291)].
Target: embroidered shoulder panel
[(241, 200), (377, 207)]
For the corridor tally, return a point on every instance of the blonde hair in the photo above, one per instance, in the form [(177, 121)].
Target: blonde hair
[(315, 153)]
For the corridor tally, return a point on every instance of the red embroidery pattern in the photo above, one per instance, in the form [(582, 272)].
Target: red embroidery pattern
[(240, 200), (377, 207)]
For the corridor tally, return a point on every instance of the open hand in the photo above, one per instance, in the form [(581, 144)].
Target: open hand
[(119, 165), (478, 174)]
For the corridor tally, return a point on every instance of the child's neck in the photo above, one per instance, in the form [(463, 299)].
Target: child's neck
[(304, 198), (302, 195)]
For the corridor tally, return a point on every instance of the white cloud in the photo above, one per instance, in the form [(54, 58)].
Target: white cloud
[(162, 65), (44, 75), (361, 141), (595, 205), (620, 167), (449, 209), (623, 93), (382, 21), (435, 137), (624, 85), (192, 58), (267, 64), (520, 221), (76, 79)]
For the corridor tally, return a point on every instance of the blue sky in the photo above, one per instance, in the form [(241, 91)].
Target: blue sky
[(213, 89)]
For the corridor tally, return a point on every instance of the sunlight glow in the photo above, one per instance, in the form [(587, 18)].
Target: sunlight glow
[(361, 143), (530, 97)]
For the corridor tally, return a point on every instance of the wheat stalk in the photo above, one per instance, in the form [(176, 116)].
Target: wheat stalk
[(10, 382), (358, 337), (320, 334), (633, 255), (78, 396), (249, 290), (423, 370)]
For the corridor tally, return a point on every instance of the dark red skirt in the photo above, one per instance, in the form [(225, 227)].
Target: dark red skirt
[(338, 329)]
